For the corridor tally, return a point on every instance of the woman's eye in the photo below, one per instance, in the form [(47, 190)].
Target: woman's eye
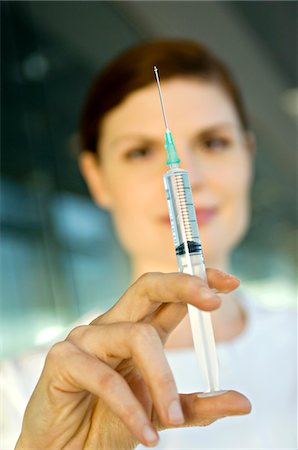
[(216, 143), (138, 153)]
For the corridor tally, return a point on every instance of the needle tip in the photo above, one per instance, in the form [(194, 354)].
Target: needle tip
[(155, 69)]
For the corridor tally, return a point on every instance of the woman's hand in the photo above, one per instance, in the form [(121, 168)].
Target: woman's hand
[(109, 386)]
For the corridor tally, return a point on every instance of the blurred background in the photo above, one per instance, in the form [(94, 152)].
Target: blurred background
[(59, 257)]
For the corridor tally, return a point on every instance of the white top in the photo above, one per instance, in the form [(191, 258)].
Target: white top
[(260, 363)]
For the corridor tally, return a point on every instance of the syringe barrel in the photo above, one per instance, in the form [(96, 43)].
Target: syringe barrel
[(182, 215), (190, 260)]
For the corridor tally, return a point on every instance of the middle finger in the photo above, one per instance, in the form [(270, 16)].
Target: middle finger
[(112, 343)]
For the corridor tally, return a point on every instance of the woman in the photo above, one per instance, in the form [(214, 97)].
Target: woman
[(109, 385)]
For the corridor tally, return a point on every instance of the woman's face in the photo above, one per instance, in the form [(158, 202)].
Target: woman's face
[(211, 147)]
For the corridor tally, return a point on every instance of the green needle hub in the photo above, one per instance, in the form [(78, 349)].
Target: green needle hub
[(171, 149)]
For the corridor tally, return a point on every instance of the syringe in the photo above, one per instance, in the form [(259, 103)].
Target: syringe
[(189, 255)]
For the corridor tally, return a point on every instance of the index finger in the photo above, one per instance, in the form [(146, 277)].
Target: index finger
[(154, 289)]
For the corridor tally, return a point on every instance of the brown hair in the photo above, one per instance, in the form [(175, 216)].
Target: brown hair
[(133, 70)]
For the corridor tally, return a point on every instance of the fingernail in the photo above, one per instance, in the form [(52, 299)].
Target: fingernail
[(150, 435), (206, 294), (175, 413), (231, 276)]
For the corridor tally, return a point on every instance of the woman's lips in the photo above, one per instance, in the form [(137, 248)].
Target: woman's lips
[(204, 215)]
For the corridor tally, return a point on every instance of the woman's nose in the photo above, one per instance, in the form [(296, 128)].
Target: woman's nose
[(191, 163)]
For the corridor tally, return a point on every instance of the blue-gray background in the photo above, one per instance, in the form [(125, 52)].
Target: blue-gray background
[(59, 257)]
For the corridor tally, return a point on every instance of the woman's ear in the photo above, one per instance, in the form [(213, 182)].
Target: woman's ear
[(92, 173)]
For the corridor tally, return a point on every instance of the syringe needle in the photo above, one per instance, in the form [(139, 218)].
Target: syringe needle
[(169, 141), (160, 96)]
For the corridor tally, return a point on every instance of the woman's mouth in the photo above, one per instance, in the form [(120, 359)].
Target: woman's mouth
[(203, 215)]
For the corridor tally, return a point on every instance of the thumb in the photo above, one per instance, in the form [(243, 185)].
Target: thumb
[(202, 411)]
